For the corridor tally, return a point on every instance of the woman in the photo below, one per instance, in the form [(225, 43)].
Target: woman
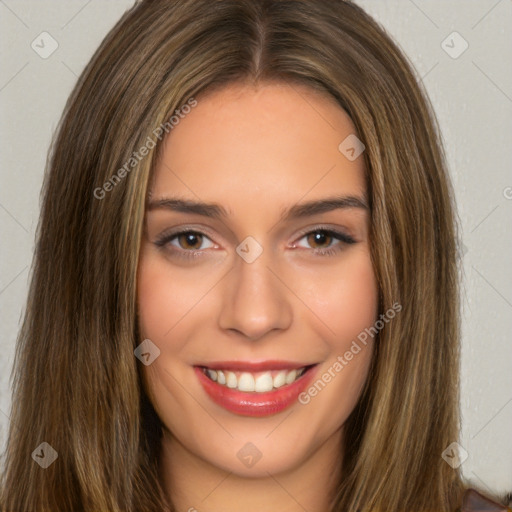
[(254, 369)]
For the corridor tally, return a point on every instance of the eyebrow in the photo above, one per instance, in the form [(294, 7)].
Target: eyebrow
[(296, 211)]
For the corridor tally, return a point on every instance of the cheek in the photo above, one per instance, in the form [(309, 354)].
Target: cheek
[(163, 300), (165, 295), (348, 306), (356, 298), (152, 297), (345, 297)]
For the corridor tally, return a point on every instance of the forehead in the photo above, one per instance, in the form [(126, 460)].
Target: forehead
[(261, 145)]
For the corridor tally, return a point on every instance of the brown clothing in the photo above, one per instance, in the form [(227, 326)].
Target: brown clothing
[(475, 502)]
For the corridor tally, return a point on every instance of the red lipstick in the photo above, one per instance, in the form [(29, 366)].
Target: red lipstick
[(252, 403)]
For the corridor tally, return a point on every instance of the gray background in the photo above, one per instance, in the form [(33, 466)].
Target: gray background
[(471, 94)]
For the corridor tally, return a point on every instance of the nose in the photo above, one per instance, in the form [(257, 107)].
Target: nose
[(254, 300)]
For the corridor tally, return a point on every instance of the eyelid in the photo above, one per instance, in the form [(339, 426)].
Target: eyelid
[(195, 233), (173, 232), (336, 233)]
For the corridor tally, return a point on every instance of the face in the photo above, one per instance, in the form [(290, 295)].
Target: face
[(255, 279)]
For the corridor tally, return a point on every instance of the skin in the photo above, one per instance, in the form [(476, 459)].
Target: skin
[(255, 150)]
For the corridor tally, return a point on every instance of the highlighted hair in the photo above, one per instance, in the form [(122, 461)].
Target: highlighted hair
[(76, 381)]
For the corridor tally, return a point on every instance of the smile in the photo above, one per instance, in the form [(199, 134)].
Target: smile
[(260, 382), (254, 389)]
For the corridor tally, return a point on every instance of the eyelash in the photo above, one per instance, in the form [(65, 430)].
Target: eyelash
[(165, 239)]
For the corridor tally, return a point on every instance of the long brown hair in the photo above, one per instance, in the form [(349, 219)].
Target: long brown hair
[(76, 382)]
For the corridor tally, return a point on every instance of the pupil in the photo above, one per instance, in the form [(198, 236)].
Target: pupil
[(190, 237), (320, 237)]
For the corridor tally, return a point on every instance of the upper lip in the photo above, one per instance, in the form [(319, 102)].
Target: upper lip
[(254, 366)]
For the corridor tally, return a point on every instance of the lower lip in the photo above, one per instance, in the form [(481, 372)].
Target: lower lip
[(255, 404)]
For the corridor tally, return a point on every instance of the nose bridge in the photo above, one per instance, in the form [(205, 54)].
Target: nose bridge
[(255, 301)]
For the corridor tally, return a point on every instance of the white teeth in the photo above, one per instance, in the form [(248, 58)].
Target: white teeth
[(280, 379), (291, 376), (246, 382), (250, 382), (264, 382), (231, 380), (212, 374)]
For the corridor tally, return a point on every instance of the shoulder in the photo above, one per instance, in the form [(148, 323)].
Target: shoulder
[(473, 501)]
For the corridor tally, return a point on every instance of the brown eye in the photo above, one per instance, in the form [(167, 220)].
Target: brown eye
[(190, 240), (321, 238), (326, 242), (185, 242)]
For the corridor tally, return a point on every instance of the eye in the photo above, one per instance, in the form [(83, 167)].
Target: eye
[(190, 240), (190, 243), (187, 243), (324, 238)]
